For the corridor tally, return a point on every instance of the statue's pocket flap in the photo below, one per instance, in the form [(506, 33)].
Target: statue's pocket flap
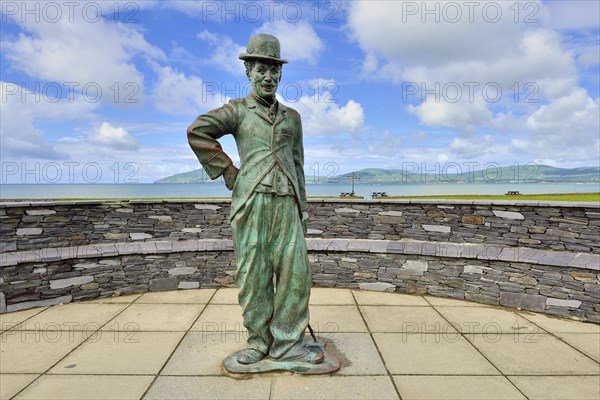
[(286, 132)]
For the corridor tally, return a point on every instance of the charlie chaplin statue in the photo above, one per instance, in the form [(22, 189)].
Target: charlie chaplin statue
[(268, 208)]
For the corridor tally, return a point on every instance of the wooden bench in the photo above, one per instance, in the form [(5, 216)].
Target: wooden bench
[(347, 194), (512, 193), (376, 195)]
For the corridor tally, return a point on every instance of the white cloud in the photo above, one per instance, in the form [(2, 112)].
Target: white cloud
[(226, 52), (585, 48), (115, 138), (464, 115), (100, 164), (208, 10), (536, 57), (403, 30), (589, 56), (575, 112), (23, 112), (177, 93), (383, 144), (299, 41), (370, 65), (225, 55), (442, 157), (81, 52), (481, 52), (573, 14), (519, 144), (565, 130), (472, 147), (328, 118), (559, 120)]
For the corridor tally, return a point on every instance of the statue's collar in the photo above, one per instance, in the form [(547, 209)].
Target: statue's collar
[(276, 111), (253, 99)]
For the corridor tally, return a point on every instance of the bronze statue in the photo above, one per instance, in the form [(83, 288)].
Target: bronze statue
[(268, 215)]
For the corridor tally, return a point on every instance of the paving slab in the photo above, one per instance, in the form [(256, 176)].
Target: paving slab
[(377, 286), (120, 353), (72, 316), (9, 320), (558, 387), (372, 298), (560, 325), (434, 363), (405, 319), (202, 353), (589, 343), (533, 354), (328, 319), (487, 320), (156, 317), (190, 296), (87, 387), (11, 384), (126, 299), (209, 387), (336, 387), (449, 302), (220, 318), (226, 296), (431, 354), (326, 296), (456, 388), (35, 352), (357, 354)]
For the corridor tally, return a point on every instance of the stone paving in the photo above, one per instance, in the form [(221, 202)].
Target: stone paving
[(170, 345)]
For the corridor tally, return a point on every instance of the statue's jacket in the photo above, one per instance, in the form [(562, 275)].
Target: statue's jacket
[(270, 149)]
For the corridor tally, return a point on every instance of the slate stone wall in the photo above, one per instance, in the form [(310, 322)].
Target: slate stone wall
[(541, 257), (544, 225), (52, 277), (27, 226), (45, 283), (568, 292), (555, 226)]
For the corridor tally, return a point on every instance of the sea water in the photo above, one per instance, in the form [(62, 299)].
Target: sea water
[(218, 189)]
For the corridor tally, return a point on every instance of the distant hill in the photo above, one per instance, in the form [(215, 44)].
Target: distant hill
[(453, 172), (195, 176), (444, 173)]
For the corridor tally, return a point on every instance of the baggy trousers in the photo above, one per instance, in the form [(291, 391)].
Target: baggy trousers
[(268, 239)]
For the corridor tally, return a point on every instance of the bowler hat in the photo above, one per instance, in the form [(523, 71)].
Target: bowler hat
[(263, 47)]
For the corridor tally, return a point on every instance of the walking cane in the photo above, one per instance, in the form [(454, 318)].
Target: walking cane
[(312, 333)]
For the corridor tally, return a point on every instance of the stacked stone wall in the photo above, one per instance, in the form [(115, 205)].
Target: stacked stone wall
[(553, 225), (539, 256)]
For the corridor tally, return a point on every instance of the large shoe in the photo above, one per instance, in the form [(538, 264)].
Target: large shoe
[(250, 356), (308, 354)]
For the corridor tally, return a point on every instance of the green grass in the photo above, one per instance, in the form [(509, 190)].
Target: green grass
[(121, 198), (161, 198), (579, 197)]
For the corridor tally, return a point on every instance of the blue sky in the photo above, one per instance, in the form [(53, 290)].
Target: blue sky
[(103, 91)]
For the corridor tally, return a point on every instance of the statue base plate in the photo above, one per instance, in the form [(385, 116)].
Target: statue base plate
[(330, 364)]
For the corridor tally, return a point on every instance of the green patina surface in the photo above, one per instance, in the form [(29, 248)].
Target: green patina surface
[(268, 207)]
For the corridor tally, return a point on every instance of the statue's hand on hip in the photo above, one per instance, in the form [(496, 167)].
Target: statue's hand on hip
[(304, 222), (230, 175)]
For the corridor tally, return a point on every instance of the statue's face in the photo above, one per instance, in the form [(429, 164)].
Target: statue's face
[(265, 79)]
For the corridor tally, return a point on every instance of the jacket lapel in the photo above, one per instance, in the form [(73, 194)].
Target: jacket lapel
[(252, 105), (281, 114), (281, 111)]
